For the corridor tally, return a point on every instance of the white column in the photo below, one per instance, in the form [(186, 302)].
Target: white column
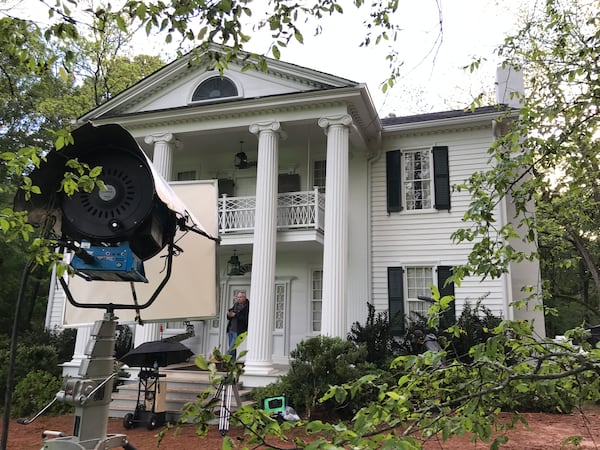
[(259, 360), (335, 245), (71, 368), (163, 162), (163, 153)]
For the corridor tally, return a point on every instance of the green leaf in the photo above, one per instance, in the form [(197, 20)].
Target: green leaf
[(201, 362), (298, 36), (7, 156), (275, 51)]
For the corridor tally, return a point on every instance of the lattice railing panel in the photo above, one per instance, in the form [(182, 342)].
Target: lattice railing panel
[(294, 210)]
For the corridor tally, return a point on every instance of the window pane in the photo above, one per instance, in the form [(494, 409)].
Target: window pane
[(417, 179), (418, 282), (316, 303), (187, 175), (316, 316), (213, 88), (279, 306), (319, 169)]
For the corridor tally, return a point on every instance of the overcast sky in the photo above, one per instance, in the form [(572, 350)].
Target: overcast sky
[(432, 78), (432, 75)]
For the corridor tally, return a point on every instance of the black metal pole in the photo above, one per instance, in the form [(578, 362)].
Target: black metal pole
[(12, 357)]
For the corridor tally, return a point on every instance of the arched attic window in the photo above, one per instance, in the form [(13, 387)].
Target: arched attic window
[(214, 88)]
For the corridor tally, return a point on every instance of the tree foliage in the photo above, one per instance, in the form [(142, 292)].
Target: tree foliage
[(548, 153)]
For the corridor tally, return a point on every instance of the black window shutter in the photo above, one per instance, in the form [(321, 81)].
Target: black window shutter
[(441, 177), (449, 317), (396, 300), (394, 182)]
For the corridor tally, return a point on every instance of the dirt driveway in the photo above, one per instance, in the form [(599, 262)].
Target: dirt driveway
[(546, 432)]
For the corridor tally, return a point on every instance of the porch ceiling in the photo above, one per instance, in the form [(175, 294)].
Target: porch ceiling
[(192, 144)]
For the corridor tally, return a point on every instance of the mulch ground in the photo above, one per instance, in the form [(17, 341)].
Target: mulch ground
[(545, 432)]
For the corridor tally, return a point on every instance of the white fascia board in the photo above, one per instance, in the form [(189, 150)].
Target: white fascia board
[(304, 99), (147, 83), (447, 122), (158, 78), (439, 123)]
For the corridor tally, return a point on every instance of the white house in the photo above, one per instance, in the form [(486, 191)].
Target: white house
[(326, 205)]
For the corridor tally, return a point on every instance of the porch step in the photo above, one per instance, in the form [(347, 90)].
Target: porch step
[(183, 386)]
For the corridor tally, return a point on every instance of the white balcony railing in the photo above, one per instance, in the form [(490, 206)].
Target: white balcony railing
[(295, 210)]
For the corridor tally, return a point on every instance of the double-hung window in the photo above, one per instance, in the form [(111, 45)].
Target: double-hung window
[(406, 284), (316, 300), (418, 283), (418, 179)]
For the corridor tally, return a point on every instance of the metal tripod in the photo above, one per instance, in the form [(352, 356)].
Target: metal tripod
[(225, 391)]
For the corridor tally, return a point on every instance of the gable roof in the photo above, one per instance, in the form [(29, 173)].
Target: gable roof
[(179, 78)]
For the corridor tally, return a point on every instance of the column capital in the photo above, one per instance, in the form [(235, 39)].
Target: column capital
[(344, 120), (273, 126), (159, 137), (166, 138)]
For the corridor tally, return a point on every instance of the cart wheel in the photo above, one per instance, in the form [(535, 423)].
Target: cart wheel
[(128, 421), (152, 422)]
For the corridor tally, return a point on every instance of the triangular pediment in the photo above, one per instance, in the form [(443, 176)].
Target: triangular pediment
[(188, 81)]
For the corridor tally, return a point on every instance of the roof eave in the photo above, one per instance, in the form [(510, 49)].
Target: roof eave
[(299, 99), (446, 122), (158, 77)]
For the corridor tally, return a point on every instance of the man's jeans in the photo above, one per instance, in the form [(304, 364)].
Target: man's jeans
[(232, 336)]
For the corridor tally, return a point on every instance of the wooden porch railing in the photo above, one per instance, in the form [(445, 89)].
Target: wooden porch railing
[(295, 210)]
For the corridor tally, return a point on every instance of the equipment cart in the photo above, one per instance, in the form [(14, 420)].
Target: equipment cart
[(151, 400)]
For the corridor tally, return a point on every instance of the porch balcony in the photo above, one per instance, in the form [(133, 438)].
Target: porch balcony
[(297, 212)]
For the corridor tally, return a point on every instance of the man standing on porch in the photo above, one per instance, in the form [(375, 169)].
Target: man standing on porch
[(237, 316)]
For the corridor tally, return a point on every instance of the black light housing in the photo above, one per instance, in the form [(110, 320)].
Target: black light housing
[(234, 266), (241, 159), (129, 209)]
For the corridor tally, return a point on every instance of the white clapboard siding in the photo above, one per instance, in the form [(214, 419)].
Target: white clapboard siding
[(424, 237)]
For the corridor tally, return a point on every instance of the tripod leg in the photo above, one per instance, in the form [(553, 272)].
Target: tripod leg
[(225, 410)]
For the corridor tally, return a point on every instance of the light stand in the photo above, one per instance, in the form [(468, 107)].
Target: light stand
[(112, 231), (91, 395)]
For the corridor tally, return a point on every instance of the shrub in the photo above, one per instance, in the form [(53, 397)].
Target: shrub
[(376, 336), (476, 324), (63, 341), (315, 364), (34, 392), (123, 340), (28, 359)]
